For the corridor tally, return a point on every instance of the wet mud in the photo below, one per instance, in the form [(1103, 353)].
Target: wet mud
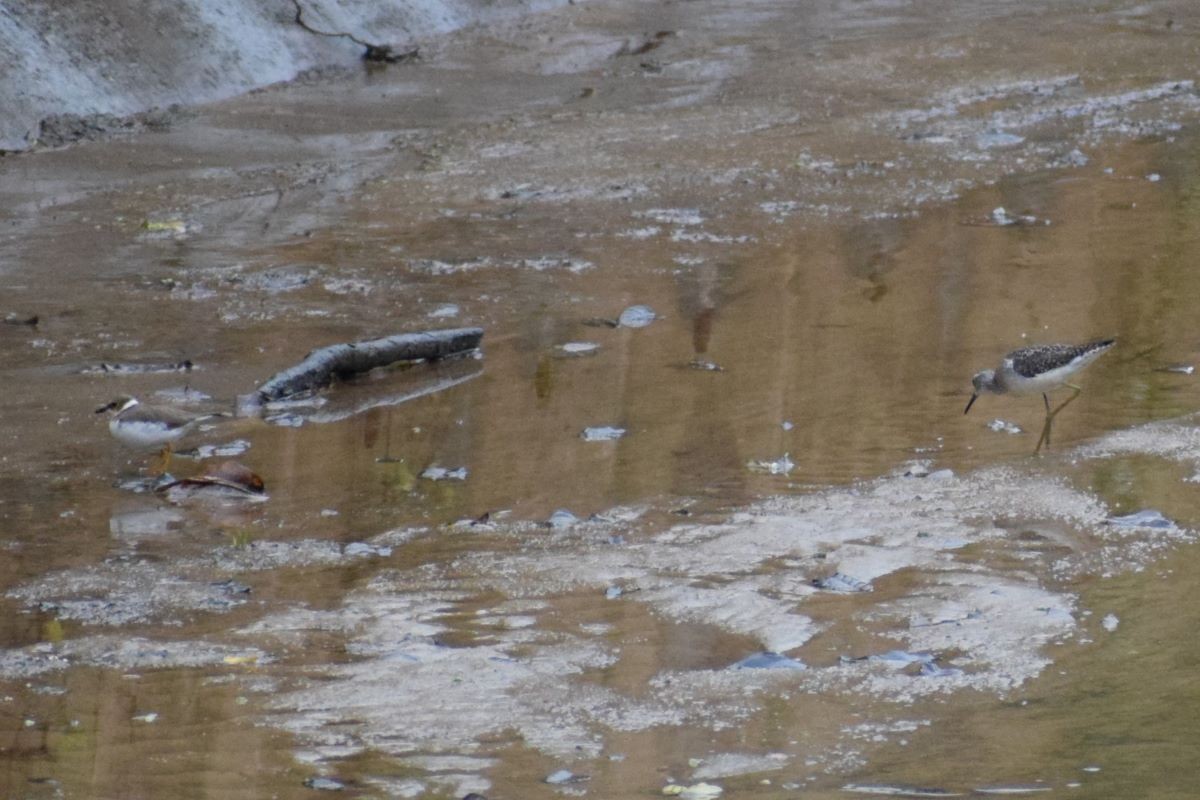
[(705, 510)]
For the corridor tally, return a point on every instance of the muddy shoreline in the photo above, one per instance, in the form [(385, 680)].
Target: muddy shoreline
[(748, 539)]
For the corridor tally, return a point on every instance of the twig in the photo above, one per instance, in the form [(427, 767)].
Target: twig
[(322, 367)]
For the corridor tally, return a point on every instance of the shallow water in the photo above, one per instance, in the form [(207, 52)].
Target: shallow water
[(845, 275)]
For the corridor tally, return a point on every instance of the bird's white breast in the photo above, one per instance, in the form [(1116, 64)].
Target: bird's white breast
[(143, 434)]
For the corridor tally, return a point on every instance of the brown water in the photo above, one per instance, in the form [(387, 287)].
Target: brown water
[(356, 207)]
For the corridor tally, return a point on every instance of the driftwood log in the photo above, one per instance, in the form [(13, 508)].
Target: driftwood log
[(321, 367)]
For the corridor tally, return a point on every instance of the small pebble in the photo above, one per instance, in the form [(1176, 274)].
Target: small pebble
[(562, 520), (562, 776), (579, 348), (604, 433), (768, 661), (324, 784), (436, 473), (636, 317)]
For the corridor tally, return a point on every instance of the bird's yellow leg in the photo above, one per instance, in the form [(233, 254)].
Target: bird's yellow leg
[(1066, 402), (1045, 437), (1050, 415), (163, 462)]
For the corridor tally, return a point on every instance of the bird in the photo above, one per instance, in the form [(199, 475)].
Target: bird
[(1039, 369), (145, 426)]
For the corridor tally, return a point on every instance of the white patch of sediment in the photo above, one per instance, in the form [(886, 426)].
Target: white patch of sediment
[(969, 624), (1174, 439)]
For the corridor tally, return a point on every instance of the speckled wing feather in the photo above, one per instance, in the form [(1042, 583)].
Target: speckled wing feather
[(1029, 362)]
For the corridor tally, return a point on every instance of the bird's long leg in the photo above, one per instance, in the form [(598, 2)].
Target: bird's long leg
[(1066, 402), (1050, 415), (1045, 436)]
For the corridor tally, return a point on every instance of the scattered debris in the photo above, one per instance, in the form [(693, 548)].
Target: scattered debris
[(604, 433), (1013, 789), (483, 520), (1146, 518), (576, 349), (1110, 622), (930, 669), (780, 466), (13, 318), (228, 475), (227, 450), (1002, 219), (901, 658), (139, 369), (1001, 426), (1180, 369), (768, 660), (841, 582), (697, 791), (636, 317), (172, 227), (894, 790), (240, 660), (364, 549), (436, 473), (562, 776), (324, 784), (562, 519)]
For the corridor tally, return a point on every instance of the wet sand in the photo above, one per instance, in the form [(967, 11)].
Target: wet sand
[(807, 200)]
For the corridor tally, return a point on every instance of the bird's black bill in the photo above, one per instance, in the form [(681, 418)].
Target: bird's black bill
[(106, 407), (970, 403)]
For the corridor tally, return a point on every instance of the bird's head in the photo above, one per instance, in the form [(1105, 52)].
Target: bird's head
[(984, 381), (118, 404)]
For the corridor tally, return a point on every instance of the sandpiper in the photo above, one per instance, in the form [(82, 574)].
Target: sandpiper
[(1039, 369), (145, 427)]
